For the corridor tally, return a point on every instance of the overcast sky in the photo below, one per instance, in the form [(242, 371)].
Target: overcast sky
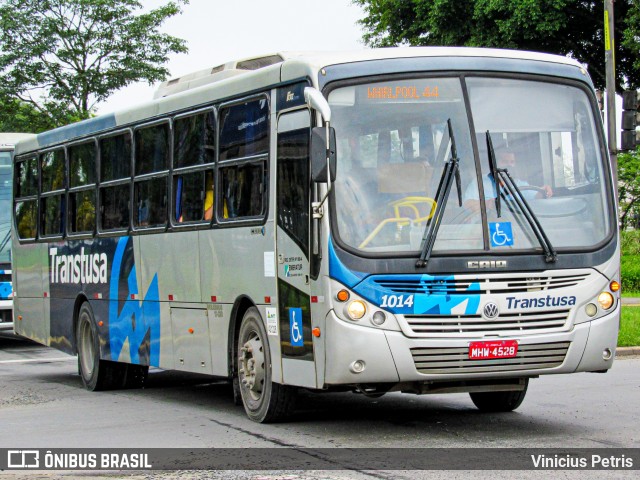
[(218, 31)]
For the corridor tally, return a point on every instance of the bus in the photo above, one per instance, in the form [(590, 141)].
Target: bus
[(330, 221), (7, 143)]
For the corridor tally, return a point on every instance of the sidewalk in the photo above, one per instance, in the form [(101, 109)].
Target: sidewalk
[(629, 351)]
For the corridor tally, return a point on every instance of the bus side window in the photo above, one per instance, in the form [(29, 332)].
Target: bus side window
[(115, 168), (150, 193), (52, 204), (193, 152), (194, 196), (82, 197), (26, 191), (244, 146)]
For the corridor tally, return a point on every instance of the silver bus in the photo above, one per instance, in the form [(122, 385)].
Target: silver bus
[(421, 220), (7, 143)]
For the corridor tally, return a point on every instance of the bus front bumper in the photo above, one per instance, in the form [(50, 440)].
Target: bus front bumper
[(392, 357)]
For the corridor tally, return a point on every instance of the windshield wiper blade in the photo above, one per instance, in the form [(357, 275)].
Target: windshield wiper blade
[(493, 165), (502, 175), (450, 173)]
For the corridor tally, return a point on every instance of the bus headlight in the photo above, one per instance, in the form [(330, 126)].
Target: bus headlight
[(356, 310), (605, 299)]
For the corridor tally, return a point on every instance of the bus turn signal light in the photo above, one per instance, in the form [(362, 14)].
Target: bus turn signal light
[(614, 286), (342, 296), (316, 332)]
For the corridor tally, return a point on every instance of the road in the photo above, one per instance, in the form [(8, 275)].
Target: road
[(43, 405)]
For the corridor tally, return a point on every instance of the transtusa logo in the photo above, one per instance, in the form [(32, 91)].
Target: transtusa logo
[(80, 269)]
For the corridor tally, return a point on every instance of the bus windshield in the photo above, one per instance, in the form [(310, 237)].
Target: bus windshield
[(5, 207), (392, 148)]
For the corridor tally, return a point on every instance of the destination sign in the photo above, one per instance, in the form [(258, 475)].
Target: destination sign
[(402, 92)]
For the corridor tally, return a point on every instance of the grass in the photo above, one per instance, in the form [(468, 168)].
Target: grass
[(629, 335)]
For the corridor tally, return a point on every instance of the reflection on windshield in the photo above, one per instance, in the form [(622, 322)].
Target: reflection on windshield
[(392, 149), (389, 136)]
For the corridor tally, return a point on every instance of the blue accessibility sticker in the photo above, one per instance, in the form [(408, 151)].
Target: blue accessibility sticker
[(501, 234), (295, 327)]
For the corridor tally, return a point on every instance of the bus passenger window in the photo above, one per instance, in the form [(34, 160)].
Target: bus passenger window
[(114, 207), (82, 211), (194, 140), (52, 165), (150, 202), (193, 196), (26, 219), (243, 190), (152, 149)]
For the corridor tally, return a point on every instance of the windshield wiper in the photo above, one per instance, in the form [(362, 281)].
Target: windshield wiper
[(501, 175), (450, 173)]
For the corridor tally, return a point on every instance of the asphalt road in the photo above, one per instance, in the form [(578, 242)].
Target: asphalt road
[(43, 405)]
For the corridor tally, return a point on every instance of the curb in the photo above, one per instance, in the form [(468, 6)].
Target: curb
[(627, 351)]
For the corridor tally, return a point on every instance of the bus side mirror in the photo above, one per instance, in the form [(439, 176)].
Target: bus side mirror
[(320, 156)]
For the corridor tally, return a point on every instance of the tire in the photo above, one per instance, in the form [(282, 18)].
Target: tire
[(263, 400), (96, 374), (499, 401)]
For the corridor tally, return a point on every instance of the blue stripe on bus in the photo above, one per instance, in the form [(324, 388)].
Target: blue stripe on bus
[(423, 301), (86, 127), (339, 272)]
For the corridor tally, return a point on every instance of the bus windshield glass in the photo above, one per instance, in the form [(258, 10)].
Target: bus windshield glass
[(5, 207), (392, 148)]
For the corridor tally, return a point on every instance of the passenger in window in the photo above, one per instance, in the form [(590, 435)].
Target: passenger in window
[(505, 159), (208, 197), (143, 213)]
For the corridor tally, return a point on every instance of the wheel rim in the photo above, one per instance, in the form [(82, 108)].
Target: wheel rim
[(85, 348), (251, 366)]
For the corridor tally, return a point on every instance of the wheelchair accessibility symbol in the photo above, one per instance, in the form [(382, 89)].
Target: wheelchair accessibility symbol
[(295, 327), (501, 234)]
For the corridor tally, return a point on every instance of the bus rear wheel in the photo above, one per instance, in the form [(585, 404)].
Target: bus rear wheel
[(263, 400), (499, 401), (98, 374)]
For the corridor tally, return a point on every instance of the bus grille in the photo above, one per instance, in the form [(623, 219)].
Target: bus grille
[(456, 360), (529, 322), (481, 285)]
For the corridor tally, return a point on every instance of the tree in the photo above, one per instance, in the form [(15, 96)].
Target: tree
[(629, 188), (565, 27), (62, 57), (19, 116)]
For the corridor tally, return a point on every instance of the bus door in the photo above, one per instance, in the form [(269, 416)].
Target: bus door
[(293, 187)]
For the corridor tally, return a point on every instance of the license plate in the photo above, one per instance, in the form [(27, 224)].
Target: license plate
[(493, 349)]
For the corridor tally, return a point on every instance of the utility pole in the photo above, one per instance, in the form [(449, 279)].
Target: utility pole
[(610, 63)]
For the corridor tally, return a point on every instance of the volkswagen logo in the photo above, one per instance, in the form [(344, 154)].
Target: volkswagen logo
[(491, 310)]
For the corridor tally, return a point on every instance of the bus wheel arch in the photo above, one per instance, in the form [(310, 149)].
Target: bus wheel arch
[(264, 400), (240, 307), (96, 373)]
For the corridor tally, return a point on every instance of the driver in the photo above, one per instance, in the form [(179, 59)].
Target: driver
[(506, 158)]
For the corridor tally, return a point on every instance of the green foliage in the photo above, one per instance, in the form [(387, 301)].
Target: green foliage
[(62, 57), (630, 242), (19, 116), (629, 335), (630, 273), (629, 187), (565, 27)]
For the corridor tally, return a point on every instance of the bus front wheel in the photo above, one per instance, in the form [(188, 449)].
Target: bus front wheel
[(499, 401), (263, 400)]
